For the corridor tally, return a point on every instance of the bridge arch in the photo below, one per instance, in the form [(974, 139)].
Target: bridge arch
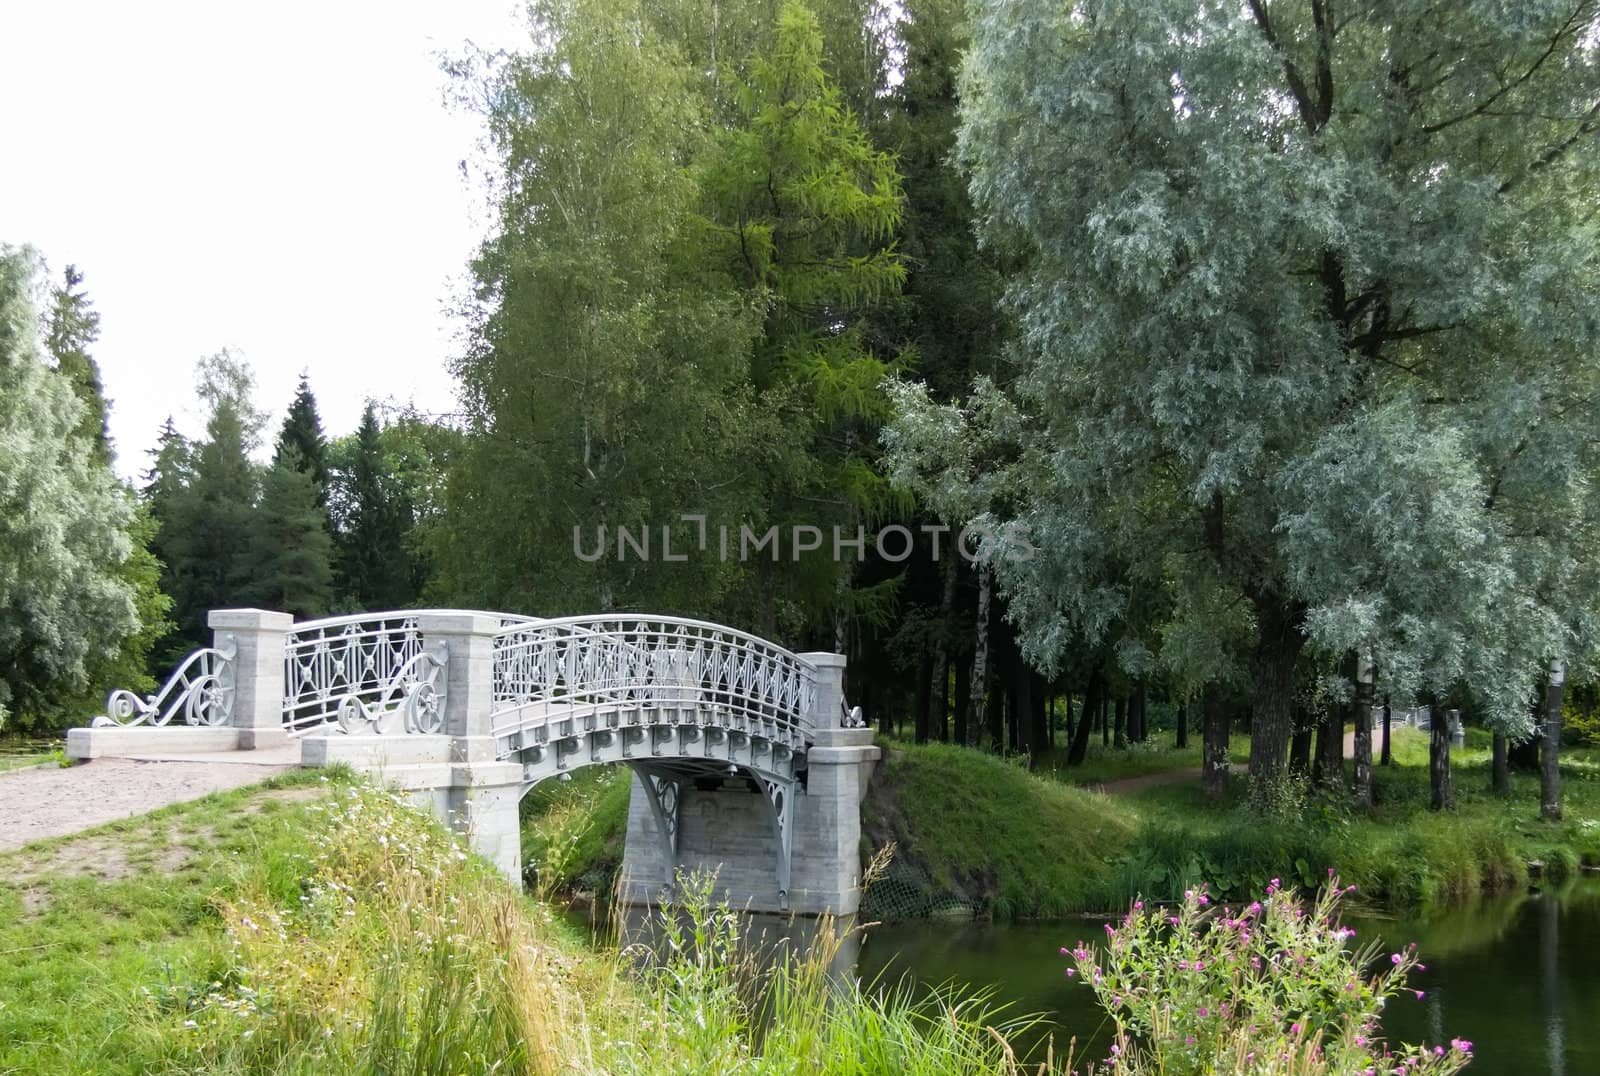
[(469, 710)]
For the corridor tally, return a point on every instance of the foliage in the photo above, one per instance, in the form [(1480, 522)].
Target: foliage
[(1306, 317), (379, 565), (1271, 988), (301, 439), (350, 933), (204, 497), (290, 553), (72, 327), (67, 592)]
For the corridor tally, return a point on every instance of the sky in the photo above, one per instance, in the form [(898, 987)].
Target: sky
[(283, 180)]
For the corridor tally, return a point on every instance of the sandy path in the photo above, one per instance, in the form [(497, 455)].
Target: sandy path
[(47, 801)]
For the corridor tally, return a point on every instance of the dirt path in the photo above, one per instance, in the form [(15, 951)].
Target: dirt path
[(47, 801), (1125, 785)]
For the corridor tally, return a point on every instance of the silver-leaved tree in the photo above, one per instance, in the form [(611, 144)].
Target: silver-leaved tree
[(1309, 322)]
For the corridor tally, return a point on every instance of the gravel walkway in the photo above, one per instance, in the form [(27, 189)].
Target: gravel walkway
[(47, 801)]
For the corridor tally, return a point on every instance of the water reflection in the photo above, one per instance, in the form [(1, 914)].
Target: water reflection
[(1515, 975)]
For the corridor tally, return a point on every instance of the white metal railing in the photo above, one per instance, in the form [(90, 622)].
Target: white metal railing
[(355, 668), (201, 690), (701, 672)]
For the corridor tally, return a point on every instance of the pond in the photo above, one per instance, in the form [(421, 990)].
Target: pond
[(1519, 976)]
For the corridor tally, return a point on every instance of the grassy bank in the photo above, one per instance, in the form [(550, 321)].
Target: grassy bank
[(978, 835), (319, 925)]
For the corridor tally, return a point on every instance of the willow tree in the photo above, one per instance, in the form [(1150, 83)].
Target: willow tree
[(1311, 279), (65, 603)]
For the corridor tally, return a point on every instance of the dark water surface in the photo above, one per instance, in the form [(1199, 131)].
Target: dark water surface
[(1519, 976)]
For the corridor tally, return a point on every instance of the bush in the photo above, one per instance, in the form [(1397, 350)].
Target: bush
[(1273, 989)]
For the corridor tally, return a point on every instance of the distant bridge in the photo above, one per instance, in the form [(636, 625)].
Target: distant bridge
[(745, 758)]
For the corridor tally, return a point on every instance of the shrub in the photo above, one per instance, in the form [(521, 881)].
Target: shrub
[(1273, 989)]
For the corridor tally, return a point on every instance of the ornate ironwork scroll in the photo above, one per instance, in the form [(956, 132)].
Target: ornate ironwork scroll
[(416, 693), (201, 690)]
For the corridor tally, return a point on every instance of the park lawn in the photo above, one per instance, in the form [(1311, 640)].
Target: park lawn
[(319, 924), (19, 754), (122, 920), (1402, 855)]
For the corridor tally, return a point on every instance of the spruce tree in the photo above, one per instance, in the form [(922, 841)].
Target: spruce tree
[(290, 553), (73, 327), (206, 535), (302, 440), (377, 567)]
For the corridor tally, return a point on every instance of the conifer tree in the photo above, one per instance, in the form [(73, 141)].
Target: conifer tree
[(377, 566), (290, 553), (74, 325), (207, 522), (301, 439)]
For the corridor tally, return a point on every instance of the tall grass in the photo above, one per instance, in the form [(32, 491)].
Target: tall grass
[(393, 952)]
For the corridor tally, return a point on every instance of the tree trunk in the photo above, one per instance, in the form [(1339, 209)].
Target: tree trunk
[(1443, 794), (1120, 733), (1214, 744), (1141, 725), (1041, 723), (1525, 755), (920, 706), (1500, 769), (1068, 729), (939, 690), (1329, 770), (1277, 648), (1388, 758), (1105, 726), (997, 713), (1363, 745), (963, 698), (1080, 738), (1022, 723), (1300, 745), (1050, 720), (980, 660), (1183, 724), (1550, 761)]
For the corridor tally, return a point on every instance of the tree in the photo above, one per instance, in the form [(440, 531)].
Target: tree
[(1319, 291), (377, 562), (205, 501), (301, 439), (65, 601), (73, 327), (290, 553)]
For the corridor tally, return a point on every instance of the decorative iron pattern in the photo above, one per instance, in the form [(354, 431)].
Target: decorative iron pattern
[(352, 670), (331, 665), (201, 690), (416, 694), (661, 790), (659, 670)]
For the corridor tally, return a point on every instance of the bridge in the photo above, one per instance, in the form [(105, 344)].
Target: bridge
[(745, 758)]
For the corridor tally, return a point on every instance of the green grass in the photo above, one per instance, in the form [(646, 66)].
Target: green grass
[(1008, 842), (1402, 855), (573, 831), (322, 925), (95, 926), (19, 754)]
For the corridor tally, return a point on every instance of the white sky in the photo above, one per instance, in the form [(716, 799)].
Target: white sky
[(281, 179)]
